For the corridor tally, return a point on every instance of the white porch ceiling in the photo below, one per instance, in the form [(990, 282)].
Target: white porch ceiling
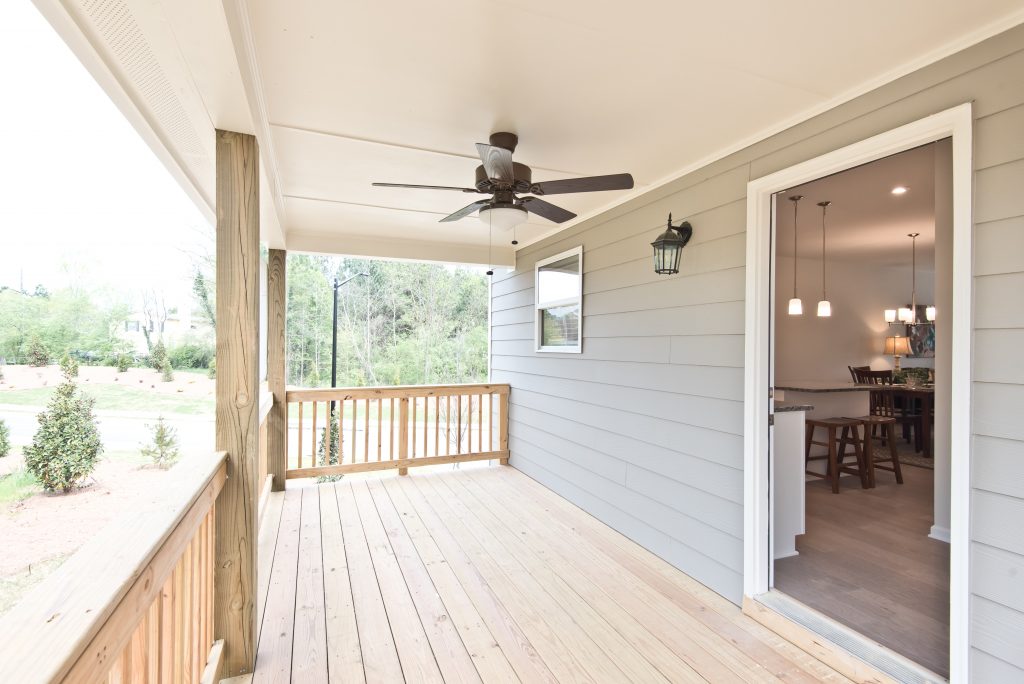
[(346, 93)]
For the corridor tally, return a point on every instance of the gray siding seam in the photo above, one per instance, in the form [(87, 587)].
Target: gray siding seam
[(662, 308), (629, 464), (679, 541), (646, 389)]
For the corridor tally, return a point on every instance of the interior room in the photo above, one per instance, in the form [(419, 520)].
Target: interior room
[(860, 462)]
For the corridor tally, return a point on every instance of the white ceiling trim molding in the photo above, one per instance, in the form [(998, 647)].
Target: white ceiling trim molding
[(240, 27), (93, 52), (413, 148), (400, 249), (950, 48)]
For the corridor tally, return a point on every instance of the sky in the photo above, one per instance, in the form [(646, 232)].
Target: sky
[(83, 200)]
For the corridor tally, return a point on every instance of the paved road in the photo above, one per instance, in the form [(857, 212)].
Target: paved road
[(119, 430)]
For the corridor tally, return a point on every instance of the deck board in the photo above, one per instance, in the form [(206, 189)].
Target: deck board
[(483, 575)]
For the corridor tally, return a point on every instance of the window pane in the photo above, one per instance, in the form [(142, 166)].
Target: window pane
[(559, 280), (560, 326)]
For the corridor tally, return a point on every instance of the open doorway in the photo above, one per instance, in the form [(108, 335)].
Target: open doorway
[(862, 386), (833, 639)]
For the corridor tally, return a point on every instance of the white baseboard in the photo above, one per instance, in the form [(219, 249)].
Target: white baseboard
[(940, 533)]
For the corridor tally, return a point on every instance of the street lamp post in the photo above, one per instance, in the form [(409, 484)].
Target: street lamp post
[(334, 332)]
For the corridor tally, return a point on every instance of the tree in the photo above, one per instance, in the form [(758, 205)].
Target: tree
[(67, 445), (163, 450), (5, 439), (37, 353), (323, 456), (201, 289), (161, 361), (69, 365)]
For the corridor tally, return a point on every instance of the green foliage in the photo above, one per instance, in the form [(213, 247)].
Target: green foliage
[(201, 289), (67, 445), (36, 352), (332, 458), (191, 355), (160, 361), (5, 439), (123, 362), (163, 450), (88, 322), (69, 366), (406, 323), (212, 373)]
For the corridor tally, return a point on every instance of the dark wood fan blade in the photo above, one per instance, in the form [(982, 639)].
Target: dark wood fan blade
[(615, 181), (423, 187), (549, 211), (497, 162), (465, 211)]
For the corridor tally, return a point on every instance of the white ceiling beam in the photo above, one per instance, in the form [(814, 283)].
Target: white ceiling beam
[(240, 27), (401, 249)]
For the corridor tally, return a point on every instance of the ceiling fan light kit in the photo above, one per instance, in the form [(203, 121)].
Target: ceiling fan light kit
[(505, 180)]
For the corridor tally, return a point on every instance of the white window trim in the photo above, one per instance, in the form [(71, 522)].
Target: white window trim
[(537, 308), (957, 123)]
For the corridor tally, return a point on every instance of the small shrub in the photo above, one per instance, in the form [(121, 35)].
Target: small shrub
[(5, 439), (67, 445), (69, 366), (37, 353), (332, 458), (163, 451), (191, 355), (160, 361), (123, 362), (212, 373)]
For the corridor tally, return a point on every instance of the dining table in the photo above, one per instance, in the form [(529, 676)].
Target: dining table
[(924, 393)]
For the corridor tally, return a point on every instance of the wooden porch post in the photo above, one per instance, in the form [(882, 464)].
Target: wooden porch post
[(237, 430), (277, 421)]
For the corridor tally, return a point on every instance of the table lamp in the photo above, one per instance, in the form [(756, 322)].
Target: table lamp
[(896, 347)]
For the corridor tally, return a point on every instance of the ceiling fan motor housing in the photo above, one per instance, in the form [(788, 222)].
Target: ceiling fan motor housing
[(522, 173)]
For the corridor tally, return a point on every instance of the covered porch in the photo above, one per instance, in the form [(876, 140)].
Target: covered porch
[(482, 574)]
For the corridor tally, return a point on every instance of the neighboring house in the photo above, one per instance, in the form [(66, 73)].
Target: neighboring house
[(173, 330), (658, 424)]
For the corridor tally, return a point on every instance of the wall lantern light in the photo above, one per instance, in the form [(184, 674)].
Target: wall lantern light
[(668, 248)]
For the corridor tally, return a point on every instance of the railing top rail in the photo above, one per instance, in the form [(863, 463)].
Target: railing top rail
[(46, 634), (395, 391)]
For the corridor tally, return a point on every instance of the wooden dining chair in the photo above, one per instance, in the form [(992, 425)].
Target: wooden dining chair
[(886, 404)]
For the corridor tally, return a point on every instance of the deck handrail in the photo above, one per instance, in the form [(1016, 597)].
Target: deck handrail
[(133, 601), (397, 427)]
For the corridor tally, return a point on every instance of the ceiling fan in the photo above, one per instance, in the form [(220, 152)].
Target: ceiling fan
[(504, 180)]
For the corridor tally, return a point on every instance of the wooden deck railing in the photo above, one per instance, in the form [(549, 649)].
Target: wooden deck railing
[(264, 477), (381, 428), (135, 603)]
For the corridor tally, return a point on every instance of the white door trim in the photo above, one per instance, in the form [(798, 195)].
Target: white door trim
[(758, 372)]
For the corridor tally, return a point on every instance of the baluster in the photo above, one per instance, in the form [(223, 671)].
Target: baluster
[(458, 424), (366, 431), (340, 428), (426, 418), (403, 435), (480, 424), (448, 425), (437, 424), (380, 426), (490, 422), (355, 438), (301, 403), (412, 441), (312, 454), (391, 432)]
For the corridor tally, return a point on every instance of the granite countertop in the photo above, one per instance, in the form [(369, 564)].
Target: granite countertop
[(821, 386), (783, 406)]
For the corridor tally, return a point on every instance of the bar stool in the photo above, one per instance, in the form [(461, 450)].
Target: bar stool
[(842, 431), (887, 426)]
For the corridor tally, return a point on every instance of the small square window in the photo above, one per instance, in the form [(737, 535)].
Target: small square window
[(559, 302)]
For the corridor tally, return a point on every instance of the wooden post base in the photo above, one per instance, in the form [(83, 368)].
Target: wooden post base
[(403, 471)]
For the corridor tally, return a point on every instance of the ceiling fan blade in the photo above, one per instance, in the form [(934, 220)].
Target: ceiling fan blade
[(423, 187), (537, 206), (465, 211), (615, 181), (497, 162)]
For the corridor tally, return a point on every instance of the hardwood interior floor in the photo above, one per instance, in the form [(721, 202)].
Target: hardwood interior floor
[(867, 562), (485, 575)]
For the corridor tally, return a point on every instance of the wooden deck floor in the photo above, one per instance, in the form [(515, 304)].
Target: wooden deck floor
[(485, 575)]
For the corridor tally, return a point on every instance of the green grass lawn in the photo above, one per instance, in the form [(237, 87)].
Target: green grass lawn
[(117, 398), (17, 486)]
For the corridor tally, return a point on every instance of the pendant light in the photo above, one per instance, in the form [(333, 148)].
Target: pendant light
[(910, 316), (824, 306), (907, 315), (796, 307)]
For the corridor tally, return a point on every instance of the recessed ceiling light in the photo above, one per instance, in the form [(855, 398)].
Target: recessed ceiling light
[(899, 190)]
